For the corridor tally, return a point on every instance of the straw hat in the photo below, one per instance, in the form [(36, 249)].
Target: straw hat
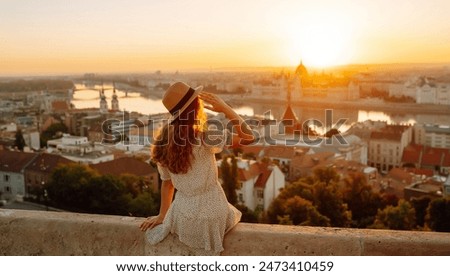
[(178, 97)]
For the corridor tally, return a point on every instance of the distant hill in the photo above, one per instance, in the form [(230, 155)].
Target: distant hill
[(35, 85)]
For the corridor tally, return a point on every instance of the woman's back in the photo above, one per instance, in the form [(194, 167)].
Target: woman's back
[(201, 176), (200, 214)]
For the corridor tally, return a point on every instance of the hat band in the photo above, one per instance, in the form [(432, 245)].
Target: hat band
[(183, 101)]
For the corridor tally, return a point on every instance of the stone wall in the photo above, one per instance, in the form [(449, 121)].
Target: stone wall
[(54, 233)]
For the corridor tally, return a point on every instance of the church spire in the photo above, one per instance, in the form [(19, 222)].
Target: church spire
[(103, 102), (115, 99)]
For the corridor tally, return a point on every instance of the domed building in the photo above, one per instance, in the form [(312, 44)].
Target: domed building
[(298, 80), (301, 71)]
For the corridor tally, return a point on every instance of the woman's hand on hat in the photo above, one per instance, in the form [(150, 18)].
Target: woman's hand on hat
[(213, 102), (151, 222)]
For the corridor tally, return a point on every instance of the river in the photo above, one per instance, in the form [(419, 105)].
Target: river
[(88, 97)]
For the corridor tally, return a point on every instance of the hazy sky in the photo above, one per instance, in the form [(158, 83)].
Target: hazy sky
[(57, 36)]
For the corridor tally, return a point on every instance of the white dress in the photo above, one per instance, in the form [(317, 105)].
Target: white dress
[(200, 214)]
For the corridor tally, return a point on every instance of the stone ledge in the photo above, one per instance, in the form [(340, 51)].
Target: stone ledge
[(54, 233)]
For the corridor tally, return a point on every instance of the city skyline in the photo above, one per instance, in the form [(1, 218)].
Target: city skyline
[(48, 37)]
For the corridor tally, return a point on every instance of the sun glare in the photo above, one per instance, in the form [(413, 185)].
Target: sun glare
[(326, 40)]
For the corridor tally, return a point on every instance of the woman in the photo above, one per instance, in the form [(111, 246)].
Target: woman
[(184, 151)]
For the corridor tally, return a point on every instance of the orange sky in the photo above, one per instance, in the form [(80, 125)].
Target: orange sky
[(51, 36)]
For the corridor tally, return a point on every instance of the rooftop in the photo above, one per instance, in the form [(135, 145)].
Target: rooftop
[(428, 156), (389, 132), (15, 161), (46, 162), (437, 129), (124, 165)]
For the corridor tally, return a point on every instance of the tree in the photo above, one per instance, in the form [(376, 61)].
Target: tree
[(247, 214), (326, 174), (76, 187), (52, 132), (400, 217), (420, 206), (143, 205), (322, 191), (329, 202), (389, 199), (361, 200), (19, 140), (134, 184), (69, 186), (229, 178), (277, 206), (438, 215), (106, 195), (142, 201), (302, 212)]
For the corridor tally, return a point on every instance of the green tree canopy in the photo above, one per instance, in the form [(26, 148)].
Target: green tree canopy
[(400, 217), (277, 207), (229, 178), (69, 186), (302, 212), (77, 187), (19, 140), (361, 200), (35, 85), (247, 214), (52, 133), (326, 175), (420, 206), (438, 215), (329, 202), (325, 207)]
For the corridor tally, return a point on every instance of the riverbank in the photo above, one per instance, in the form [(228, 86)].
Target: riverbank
[(352, 105)]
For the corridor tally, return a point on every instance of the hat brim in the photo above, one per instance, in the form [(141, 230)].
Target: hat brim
[(197, 91)]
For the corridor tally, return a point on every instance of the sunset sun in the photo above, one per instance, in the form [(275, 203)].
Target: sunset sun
[(325, 41)]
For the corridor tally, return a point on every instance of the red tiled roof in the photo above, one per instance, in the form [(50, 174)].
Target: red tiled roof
[(15, 161), (432, 157), (290, 121), (411, 155), (446, 161), (263, 177), (124, 165), (289, 115), (46, 162), (251, 173), (428, 156)]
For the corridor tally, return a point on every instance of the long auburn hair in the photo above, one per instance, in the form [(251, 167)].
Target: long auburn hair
[(172, 147)]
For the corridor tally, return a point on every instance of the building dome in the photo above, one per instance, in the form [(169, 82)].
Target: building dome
[(301, 70)]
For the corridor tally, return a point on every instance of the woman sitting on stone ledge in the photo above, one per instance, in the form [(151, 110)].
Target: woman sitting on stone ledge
[(184, 150)]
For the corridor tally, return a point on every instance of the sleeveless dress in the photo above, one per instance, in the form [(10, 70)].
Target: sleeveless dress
[(200, 214)]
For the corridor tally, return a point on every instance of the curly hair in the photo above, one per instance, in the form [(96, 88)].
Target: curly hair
[(172, 147)]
